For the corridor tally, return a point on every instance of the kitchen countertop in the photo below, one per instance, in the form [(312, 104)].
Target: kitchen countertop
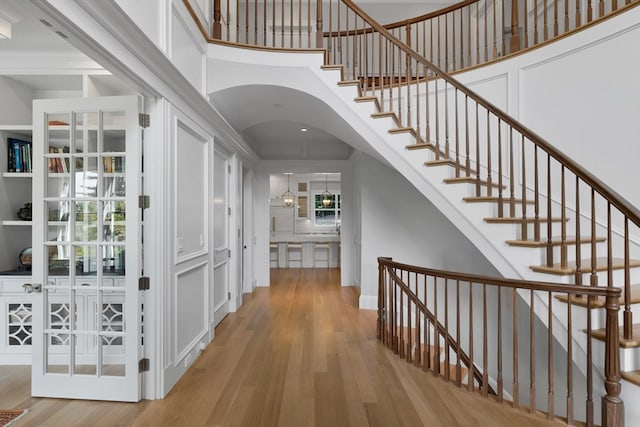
[(304, 237)]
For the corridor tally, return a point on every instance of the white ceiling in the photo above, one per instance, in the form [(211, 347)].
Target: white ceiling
[(30, 36), (270, 119)]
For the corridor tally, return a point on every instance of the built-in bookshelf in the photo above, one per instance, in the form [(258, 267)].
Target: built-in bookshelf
[(18, 93), (16, 164)]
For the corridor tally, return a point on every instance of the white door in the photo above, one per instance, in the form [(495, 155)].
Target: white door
[(87, 248), (221, 220)]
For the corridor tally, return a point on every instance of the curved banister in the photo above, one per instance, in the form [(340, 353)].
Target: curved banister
[(409, 296), (453, 40), (611, 195), (430, 15)]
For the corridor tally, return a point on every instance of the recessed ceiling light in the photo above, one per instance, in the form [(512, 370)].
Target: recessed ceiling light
[(303, 129), (5, 28)]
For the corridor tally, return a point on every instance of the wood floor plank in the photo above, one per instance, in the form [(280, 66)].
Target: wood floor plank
[(299, 353)]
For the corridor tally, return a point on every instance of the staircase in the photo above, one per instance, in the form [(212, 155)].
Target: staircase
[(533, 212), (549, 221)]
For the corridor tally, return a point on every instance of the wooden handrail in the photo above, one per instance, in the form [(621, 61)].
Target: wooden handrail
[(405, 293), (430, 15), (455, 45), (603, 189), (532, 285)]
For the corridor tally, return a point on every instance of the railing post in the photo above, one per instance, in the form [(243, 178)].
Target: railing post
[(514, 42), (381, 300), (612, 406), (217, 20), (319, 43)]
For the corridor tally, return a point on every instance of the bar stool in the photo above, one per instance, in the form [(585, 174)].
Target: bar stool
[(275, 246), (293, 246), (320, 248)]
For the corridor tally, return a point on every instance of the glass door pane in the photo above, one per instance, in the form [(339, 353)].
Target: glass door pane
[(89, 326)]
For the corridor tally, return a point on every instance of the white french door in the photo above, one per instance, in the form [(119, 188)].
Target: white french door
[(86, 248)]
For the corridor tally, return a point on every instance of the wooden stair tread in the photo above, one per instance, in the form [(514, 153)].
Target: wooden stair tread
[(402, 130), (331, 67), (598, 302), (585, 266), (631, 376), (420, 146), (555, 241), (441, 162), (494, 199), (366, 99), (383, 114), (348, 82), (634, 342), (469, 180), (519, 220)]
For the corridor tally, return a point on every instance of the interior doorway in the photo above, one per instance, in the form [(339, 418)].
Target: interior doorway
[(305, 216)]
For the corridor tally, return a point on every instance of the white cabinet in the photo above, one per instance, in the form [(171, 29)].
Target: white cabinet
[(16, 317)]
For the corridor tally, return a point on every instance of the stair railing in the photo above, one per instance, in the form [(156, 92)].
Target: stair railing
[(474, 32), (556, 204), (439, 311), (420, 338), (465, 34)]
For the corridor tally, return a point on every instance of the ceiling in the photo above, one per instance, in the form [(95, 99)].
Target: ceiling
[(271, 120), (30, 36)]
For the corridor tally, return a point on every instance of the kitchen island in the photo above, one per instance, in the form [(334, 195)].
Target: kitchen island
[(303, 248)]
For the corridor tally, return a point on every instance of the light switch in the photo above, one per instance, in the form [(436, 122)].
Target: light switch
[(180, 244)]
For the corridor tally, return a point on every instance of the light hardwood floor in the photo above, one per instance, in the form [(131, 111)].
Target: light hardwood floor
[(297, 354)]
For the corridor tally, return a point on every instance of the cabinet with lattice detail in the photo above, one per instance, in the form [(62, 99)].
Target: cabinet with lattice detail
[(16, 321)]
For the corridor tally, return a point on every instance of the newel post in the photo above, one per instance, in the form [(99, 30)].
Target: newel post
[(319, 42), (217, 20), (612, 406), (382, 301), (514, 44)]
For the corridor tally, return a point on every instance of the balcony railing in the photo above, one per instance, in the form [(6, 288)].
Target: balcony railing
[(463, 35)]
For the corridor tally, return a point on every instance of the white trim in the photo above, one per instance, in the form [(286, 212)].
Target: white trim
[(368, 302), (178, 357)]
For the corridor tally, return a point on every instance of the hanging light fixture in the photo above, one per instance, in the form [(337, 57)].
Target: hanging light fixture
[(327, 198), (288, 198)]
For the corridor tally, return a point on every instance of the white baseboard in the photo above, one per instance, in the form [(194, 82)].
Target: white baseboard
[(368, 302)]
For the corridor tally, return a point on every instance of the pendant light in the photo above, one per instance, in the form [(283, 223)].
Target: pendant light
[(288, 198), (327, 198)]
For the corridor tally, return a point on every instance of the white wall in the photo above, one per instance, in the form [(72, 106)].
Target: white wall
[(397, 221), (142, 13), (189, 246), (187, 48), (580, 94), (16, 102)]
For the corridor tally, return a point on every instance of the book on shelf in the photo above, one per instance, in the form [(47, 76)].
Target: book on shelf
[(58, 164), (19, 155), (113, 164)]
